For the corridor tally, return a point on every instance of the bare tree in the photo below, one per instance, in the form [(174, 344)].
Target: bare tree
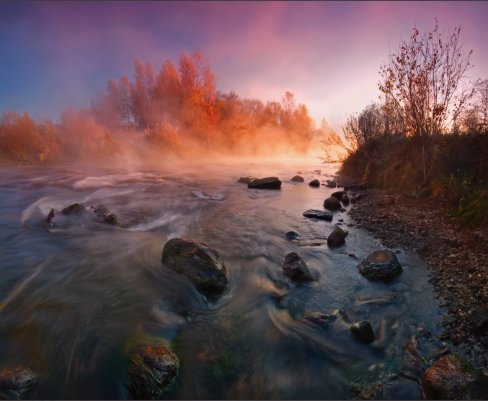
[(424, 81)]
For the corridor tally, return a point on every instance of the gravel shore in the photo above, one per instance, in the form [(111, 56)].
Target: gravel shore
[(457, 256)]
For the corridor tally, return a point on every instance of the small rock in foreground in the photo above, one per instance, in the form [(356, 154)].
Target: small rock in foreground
[(318, 214), (363, 331), (152, 368), (380, 265), (15, 383), (452, 378), (296, 269), (265, 183), (298, 178)]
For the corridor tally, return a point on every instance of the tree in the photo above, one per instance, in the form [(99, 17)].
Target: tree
[(474, 119), (424, 82)]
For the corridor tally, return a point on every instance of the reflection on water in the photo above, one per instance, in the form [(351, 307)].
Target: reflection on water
[(71, 296)]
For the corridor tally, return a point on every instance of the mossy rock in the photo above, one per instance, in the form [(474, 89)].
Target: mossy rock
[(16, 383), (196, 261), (380, 265), (152, 368)]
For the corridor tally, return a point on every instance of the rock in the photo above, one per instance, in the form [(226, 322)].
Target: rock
[(49, 219), (338, 195), (265, 183), (16, 383), (385, 201), (321, 318), (451, 378), (337, 237), (111, 219), (105, 214), (345, 199), (196, 261), (74, 208), (298, 178), (152, 368), (314, 183), (296, 269), (380, 265), (331, 183), (318, 214), (332, 204), (291, 235), (363, 331), (356, 197), (246, 180)]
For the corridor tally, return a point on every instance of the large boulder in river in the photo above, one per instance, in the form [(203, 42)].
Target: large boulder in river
[(298, 178), (152, 368), (265, 183), (16, 383), (332, 204), (451, 378), (314, 183), (296, 269), (380, 265), (363, 331), (337, 237), (196, 261), (318, 214)]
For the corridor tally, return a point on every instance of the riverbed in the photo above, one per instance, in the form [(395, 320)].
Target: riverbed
[(72, 294)]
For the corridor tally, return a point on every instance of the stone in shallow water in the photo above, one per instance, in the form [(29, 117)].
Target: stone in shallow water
[(296, 269), (297, 178), (196, 261), (318, 214), (380, 265), (152, 368), (337, 237), (74, 208), (291, 235), (265, 183), (363, 331), (16, 383), (332, 204), (314, 183)]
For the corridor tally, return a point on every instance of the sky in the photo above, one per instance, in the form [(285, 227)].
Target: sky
[(55, 55)]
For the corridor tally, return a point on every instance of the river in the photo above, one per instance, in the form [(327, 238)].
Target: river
[(72, 295)]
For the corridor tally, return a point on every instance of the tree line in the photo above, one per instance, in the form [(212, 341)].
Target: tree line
[(176, 110)]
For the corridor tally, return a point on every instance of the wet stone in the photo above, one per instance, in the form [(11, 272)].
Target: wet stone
[(318, 214), (16, 383), (363, 331), (296, 269), (380, 265)]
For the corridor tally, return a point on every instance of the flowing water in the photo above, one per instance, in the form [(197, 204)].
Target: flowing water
[(72, 295)]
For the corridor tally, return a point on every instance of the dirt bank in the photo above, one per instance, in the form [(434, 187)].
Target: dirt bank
[(457, 256)]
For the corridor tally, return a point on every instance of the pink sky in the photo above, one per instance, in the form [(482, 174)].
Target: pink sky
[(58, 54)]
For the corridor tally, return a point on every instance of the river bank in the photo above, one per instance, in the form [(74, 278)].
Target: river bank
[(457, 257)]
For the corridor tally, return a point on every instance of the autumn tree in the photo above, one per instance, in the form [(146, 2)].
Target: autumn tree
[(424, 81)]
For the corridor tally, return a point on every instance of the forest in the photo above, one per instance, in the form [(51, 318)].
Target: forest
[(177, 111)]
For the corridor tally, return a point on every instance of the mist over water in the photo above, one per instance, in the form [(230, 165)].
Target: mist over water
[(72, 296)]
